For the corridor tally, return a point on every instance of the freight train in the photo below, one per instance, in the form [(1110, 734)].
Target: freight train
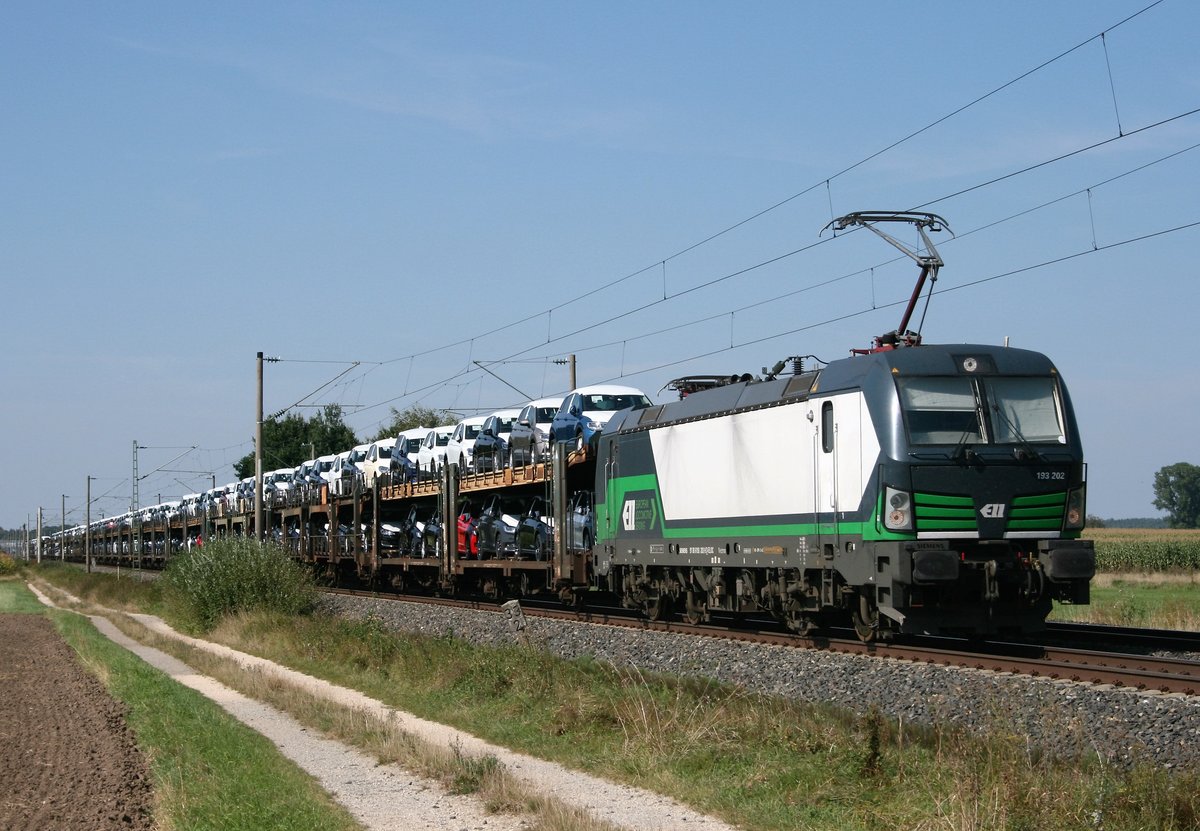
[(909, 488)]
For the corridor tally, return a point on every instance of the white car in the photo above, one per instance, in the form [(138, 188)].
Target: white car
[(404, 457), (431, 455), (358, 457), (460, 450), (342, 475), (379, 460), (323, 467), (276, 485)]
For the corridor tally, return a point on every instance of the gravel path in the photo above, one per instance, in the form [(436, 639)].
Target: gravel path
[(1060, 717), (379, 796), (620, 805), (385, 796)]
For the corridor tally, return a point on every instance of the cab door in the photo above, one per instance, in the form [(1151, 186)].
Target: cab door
[(825, 471)]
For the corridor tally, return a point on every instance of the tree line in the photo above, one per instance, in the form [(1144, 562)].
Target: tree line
[(292, 440)]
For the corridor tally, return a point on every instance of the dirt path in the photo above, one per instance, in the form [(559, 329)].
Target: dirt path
[(383, 797), (67, 759)]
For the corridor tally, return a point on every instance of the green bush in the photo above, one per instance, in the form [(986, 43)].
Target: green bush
[(229, 576), (7, 564)]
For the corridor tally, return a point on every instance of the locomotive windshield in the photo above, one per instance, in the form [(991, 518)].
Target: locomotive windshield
[(981, 410)]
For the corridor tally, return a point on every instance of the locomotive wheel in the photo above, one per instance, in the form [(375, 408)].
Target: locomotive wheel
[(657, 607), (866, 619), (693, 611)]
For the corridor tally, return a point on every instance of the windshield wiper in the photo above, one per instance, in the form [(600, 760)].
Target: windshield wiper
[(962, 451), (1029, 450)]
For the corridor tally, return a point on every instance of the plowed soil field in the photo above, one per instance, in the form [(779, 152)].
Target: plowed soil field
[(68, 761)]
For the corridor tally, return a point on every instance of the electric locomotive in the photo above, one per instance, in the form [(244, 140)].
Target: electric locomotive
[(907, 489)]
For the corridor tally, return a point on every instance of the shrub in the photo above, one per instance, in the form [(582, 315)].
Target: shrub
[(233, 575), (7, 565)]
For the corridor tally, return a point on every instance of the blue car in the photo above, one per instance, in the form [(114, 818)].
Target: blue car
[(584, 412)]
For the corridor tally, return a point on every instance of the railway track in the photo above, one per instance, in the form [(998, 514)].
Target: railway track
[(1082, 653), (1124, 669)]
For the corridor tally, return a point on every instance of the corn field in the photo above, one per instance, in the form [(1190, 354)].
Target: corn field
[(1146, 550)]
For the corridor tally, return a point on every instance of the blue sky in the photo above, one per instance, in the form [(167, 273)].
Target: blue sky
[(417, 186)]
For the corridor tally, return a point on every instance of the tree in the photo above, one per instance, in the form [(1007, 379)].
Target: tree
[(414, 416), (295, 439), (1177, 491)]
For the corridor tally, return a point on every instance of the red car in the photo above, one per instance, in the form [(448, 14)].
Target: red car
[(468, 540)]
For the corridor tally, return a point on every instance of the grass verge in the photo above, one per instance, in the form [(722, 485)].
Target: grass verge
[(459, 773), (210, 771), (1156, 600), (758, 762)]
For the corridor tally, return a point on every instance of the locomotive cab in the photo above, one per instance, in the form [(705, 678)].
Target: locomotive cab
[(980, 492)]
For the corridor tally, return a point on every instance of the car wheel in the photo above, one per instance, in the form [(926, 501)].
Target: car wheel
[(579, 443)]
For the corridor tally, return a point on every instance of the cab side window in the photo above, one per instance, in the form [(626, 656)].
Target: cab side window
[(827, 427)]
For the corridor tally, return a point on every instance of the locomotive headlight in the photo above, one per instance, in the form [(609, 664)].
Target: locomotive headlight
[(1075, 509), (898, 505)]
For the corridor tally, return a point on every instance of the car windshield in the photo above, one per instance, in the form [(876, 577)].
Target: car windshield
[(505, 424), (546, 414), (471, 431), (995, 410), (385, 452), (412, 445), (615, 402)]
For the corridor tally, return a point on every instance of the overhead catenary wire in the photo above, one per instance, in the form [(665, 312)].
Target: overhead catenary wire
[(823, 181), (775, 259), (858, 313), (426, 391)]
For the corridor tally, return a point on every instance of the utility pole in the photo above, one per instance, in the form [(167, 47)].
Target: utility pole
[(258, 451), (87, 528), (135, 524), (570, 361), (62, 531), (39, 537)]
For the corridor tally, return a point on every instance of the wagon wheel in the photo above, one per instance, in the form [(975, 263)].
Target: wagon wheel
[(520, 585), (866, 619), (694, 611)]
